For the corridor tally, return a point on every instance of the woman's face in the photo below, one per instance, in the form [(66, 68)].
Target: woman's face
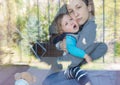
[(78, 10)]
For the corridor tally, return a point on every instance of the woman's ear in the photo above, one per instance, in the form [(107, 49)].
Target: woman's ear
[(89, 8)]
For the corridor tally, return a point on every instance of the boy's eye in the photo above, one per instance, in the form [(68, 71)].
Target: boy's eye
[(66, 24), (71, 19)]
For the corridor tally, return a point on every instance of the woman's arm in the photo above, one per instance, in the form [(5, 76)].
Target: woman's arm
[(87, 35)]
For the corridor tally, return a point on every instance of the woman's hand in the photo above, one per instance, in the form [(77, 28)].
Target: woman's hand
[(88, 58)]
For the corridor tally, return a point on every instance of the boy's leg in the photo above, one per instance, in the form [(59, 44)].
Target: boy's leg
[(69, 74), (80, 75), (96, 51), (75, 61)]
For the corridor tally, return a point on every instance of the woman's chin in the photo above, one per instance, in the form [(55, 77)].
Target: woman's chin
[(81, 23)]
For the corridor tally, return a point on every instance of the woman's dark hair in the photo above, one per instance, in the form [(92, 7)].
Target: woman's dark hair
[(86, 2), (90, 2)]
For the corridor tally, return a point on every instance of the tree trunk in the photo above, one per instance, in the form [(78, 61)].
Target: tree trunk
[(8, 23)]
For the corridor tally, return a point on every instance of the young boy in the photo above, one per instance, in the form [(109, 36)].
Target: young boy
[(65, 24)]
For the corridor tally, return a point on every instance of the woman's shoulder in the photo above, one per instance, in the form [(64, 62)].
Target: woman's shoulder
[(90, 24)]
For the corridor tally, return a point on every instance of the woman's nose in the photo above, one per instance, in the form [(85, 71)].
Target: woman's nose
[(76, 13)]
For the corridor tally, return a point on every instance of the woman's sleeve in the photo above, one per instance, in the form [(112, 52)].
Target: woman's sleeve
[(87, 35), (72, 49)]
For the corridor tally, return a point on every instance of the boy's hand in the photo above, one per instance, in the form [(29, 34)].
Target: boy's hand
[(88, 58)]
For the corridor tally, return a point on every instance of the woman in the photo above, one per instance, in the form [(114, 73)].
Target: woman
[(82, 12)]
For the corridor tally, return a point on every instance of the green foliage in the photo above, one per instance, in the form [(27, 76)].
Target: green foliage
[(21, 22), (32, 28), (19, 3), (117, 50)]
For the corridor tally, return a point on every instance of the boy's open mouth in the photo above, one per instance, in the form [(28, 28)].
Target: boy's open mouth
[(74, 27)]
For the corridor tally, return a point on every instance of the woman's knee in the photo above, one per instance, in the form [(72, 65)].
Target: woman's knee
[(100, 51), (103, 47)]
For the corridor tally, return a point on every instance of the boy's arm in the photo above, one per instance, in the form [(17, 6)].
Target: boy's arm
[(73, 50)]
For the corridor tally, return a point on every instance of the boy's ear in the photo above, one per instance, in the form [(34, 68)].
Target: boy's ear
[(61, 31)]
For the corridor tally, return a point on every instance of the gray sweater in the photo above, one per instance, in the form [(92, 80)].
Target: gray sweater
[(87, 35)]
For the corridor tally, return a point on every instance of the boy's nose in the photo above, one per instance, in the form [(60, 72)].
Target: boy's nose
[(71, 23)]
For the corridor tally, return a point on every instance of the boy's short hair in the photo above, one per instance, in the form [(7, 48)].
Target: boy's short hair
[(58, 21)]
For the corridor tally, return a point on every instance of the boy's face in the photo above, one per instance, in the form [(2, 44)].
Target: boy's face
[(69, 25), (79, 11)]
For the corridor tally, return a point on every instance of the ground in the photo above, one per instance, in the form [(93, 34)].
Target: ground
[(108, 76)]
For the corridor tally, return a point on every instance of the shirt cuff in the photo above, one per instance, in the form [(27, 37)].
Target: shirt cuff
[(57, 45)]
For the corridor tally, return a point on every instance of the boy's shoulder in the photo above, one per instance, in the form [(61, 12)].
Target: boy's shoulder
[(73, 35), (59, 38)]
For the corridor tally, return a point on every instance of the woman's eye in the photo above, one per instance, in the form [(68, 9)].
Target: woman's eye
[(70, 11), (79, 7)]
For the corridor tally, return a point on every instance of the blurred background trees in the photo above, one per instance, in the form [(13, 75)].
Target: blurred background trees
[(22, 22)]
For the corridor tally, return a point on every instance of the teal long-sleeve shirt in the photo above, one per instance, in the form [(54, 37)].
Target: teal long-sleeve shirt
[(72, 48)]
